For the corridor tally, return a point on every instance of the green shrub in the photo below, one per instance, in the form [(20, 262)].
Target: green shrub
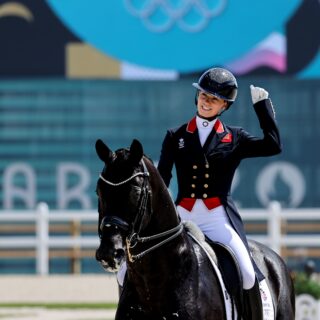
[(304, 284)]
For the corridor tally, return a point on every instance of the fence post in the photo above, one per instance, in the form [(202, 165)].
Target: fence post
[(274, 226), (42, 233)]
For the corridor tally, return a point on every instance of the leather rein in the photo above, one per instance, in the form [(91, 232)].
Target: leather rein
[(133, 238)]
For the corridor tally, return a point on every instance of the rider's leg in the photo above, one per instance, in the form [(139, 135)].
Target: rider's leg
[(216, 226), (228, 236), (251, 294)]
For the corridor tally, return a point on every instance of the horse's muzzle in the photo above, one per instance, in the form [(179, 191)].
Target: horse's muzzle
[(110, 262)]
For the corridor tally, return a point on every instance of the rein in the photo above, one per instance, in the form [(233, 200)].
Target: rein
[(133, 239)]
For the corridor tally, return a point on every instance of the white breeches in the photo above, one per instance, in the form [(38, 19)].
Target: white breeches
[(216, 226)]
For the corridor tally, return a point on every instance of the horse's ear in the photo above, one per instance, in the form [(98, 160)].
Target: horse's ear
[(136, 151), (103, 152)]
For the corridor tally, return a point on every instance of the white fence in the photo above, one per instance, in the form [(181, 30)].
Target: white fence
[(307, 308), (42, 241), (275, 215)]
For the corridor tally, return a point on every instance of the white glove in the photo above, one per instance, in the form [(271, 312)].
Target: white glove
[(258, 94)]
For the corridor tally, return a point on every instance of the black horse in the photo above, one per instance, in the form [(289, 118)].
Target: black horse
[(169, 275)]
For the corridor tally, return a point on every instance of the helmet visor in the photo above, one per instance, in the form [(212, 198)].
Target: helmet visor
[(222, 91)]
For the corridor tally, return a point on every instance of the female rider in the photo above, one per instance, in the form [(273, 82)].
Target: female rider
[(206, 152)]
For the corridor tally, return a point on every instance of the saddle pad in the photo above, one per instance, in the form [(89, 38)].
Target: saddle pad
[(267, 304)]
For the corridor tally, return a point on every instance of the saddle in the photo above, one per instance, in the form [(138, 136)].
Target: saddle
[(247, 302), (230, 271)]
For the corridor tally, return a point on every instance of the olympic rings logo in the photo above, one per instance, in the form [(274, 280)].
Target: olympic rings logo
[(189, 15)]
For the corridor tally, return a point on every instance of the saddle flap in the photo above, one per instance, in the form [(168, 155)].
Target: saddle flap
[(230, 271)]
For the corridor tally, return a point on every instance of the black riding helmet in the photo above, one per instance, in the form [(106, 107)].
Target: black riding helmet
[(218, 82)]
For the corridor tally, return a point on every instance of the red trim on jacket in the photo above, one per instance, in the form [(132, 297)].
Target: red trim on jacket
[(187, 203), (210, 203), (227, 138), (218, 126), (192, 125)]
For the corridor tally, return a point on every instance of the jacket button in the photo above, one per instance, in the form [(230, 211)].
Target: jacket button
[(194, 177), (193, 186), (207, 165), (192, 195), (206, 175), (205, 195), (195, 167), (206, 186)]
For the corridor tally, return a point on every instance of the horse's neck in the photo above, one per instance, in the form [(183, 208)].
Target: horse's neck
[(153, 276), (155, 271), (164, 218), (165, 215), (161, 262)]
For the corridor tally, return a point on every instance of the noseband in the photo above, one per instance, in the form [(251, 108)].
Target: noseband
[(133, 238)]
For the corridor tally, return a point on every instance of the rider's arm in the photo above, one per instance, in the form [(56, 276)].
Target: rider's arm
[(269, 144)]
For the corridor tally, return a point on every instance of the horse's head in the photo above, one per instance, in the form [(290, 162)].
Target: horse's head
[(123, 192)]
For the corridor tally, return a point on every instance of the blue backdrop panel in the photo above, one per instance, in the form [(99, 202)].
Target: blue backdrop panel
[(46, 125)]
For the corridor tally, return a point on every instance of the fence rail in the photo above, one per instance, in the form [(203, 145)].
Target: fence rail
[(277, 236), (42, 241)]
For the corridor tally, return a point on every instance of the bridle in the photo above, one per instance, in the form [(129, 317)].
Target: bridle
[(133, 238)]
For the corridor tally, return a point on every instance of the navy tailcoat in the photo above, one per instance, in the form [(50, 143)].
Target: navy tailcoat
[(207, 171)]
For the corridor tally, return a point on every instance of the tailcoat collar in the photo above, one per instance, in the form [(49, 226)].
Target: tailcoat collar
[(192, 126)]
